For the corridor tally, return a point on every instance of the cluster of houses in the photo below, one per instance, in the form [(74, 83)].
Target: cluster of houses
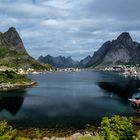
[(22, 71), (69, 70), (126, 70), (31, 71)]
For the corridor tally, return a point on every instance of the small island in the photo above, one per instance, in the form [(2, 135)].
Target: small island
[(10, 80)]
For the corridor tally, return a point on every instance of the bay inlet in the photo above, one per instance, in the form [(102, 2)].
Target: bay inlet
[(69, 99)]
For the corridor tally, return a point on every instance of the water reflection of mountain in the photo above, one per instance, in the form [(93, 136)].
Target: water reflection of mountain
[(11, 102), (125, 90)]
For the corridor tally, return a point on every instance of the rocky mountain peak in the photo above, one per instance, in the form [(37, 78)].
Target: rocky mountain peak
[(12, 29), (59, 61), (123, 50), (125, 39), (69, 58), (13, 53), (13, 40)]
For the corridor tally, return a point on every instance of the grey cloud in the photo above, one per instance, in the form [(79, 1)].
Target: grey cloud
[(68, 27)]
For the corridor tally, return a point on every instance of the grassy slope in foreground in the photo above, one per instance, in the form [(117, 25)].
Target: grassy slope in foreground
[(9, 80)]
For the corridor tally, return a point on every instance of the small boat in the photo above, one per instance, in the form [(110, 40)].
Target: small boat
[(135, 102), (131, 73)]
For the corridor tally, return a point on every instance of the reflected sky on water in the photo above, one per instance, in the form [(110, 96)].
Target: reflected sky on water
[(69, 99)]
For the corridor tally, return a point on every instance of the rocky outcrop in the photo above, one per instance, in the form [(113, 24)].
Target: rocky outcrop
[(75, 136), (11, 87), (13, 40), (123, 50), (13, 53), (59, 62)]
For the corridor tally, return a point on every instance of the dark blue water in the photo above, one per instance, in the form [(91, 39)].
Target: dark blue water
[(69, 99)]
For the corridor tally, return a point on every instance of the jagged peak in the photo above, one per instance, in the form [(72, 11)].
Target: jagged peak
[(41, 56), (14, 40), (124, 36), (12, 32), (48, 55), (12, 29)]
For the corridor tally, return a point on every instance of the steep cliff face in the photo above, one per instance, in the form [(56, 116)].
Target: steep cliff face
[(59, 62), (123, 50), (13, 53)]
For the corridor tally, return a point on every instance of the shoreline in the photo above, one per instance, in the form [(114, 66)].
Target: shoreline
[(69, 133), (16, 86)]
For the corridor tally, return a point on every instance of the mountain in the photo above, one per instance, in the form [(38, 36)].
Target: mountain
[(13, 53), (84, 62), (123, 50), (59, 62)]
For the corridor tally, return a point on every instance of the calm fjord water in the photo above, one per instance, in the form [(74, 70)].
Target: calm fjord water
[(69, 99)]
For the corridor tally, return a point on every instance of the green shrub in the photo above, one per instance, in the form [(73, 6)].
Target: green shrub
[(39, 134), (116, 128), (6, 131), (12, 77), (22, 138)]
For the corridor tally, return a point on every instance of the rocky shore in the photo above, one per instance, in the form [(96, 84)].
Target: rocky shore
[(10, 87), (10, 80), (75, 136)]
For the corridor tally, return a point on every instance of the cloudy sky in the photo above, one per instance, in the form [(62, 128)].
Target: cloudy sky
[(69, 27)]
